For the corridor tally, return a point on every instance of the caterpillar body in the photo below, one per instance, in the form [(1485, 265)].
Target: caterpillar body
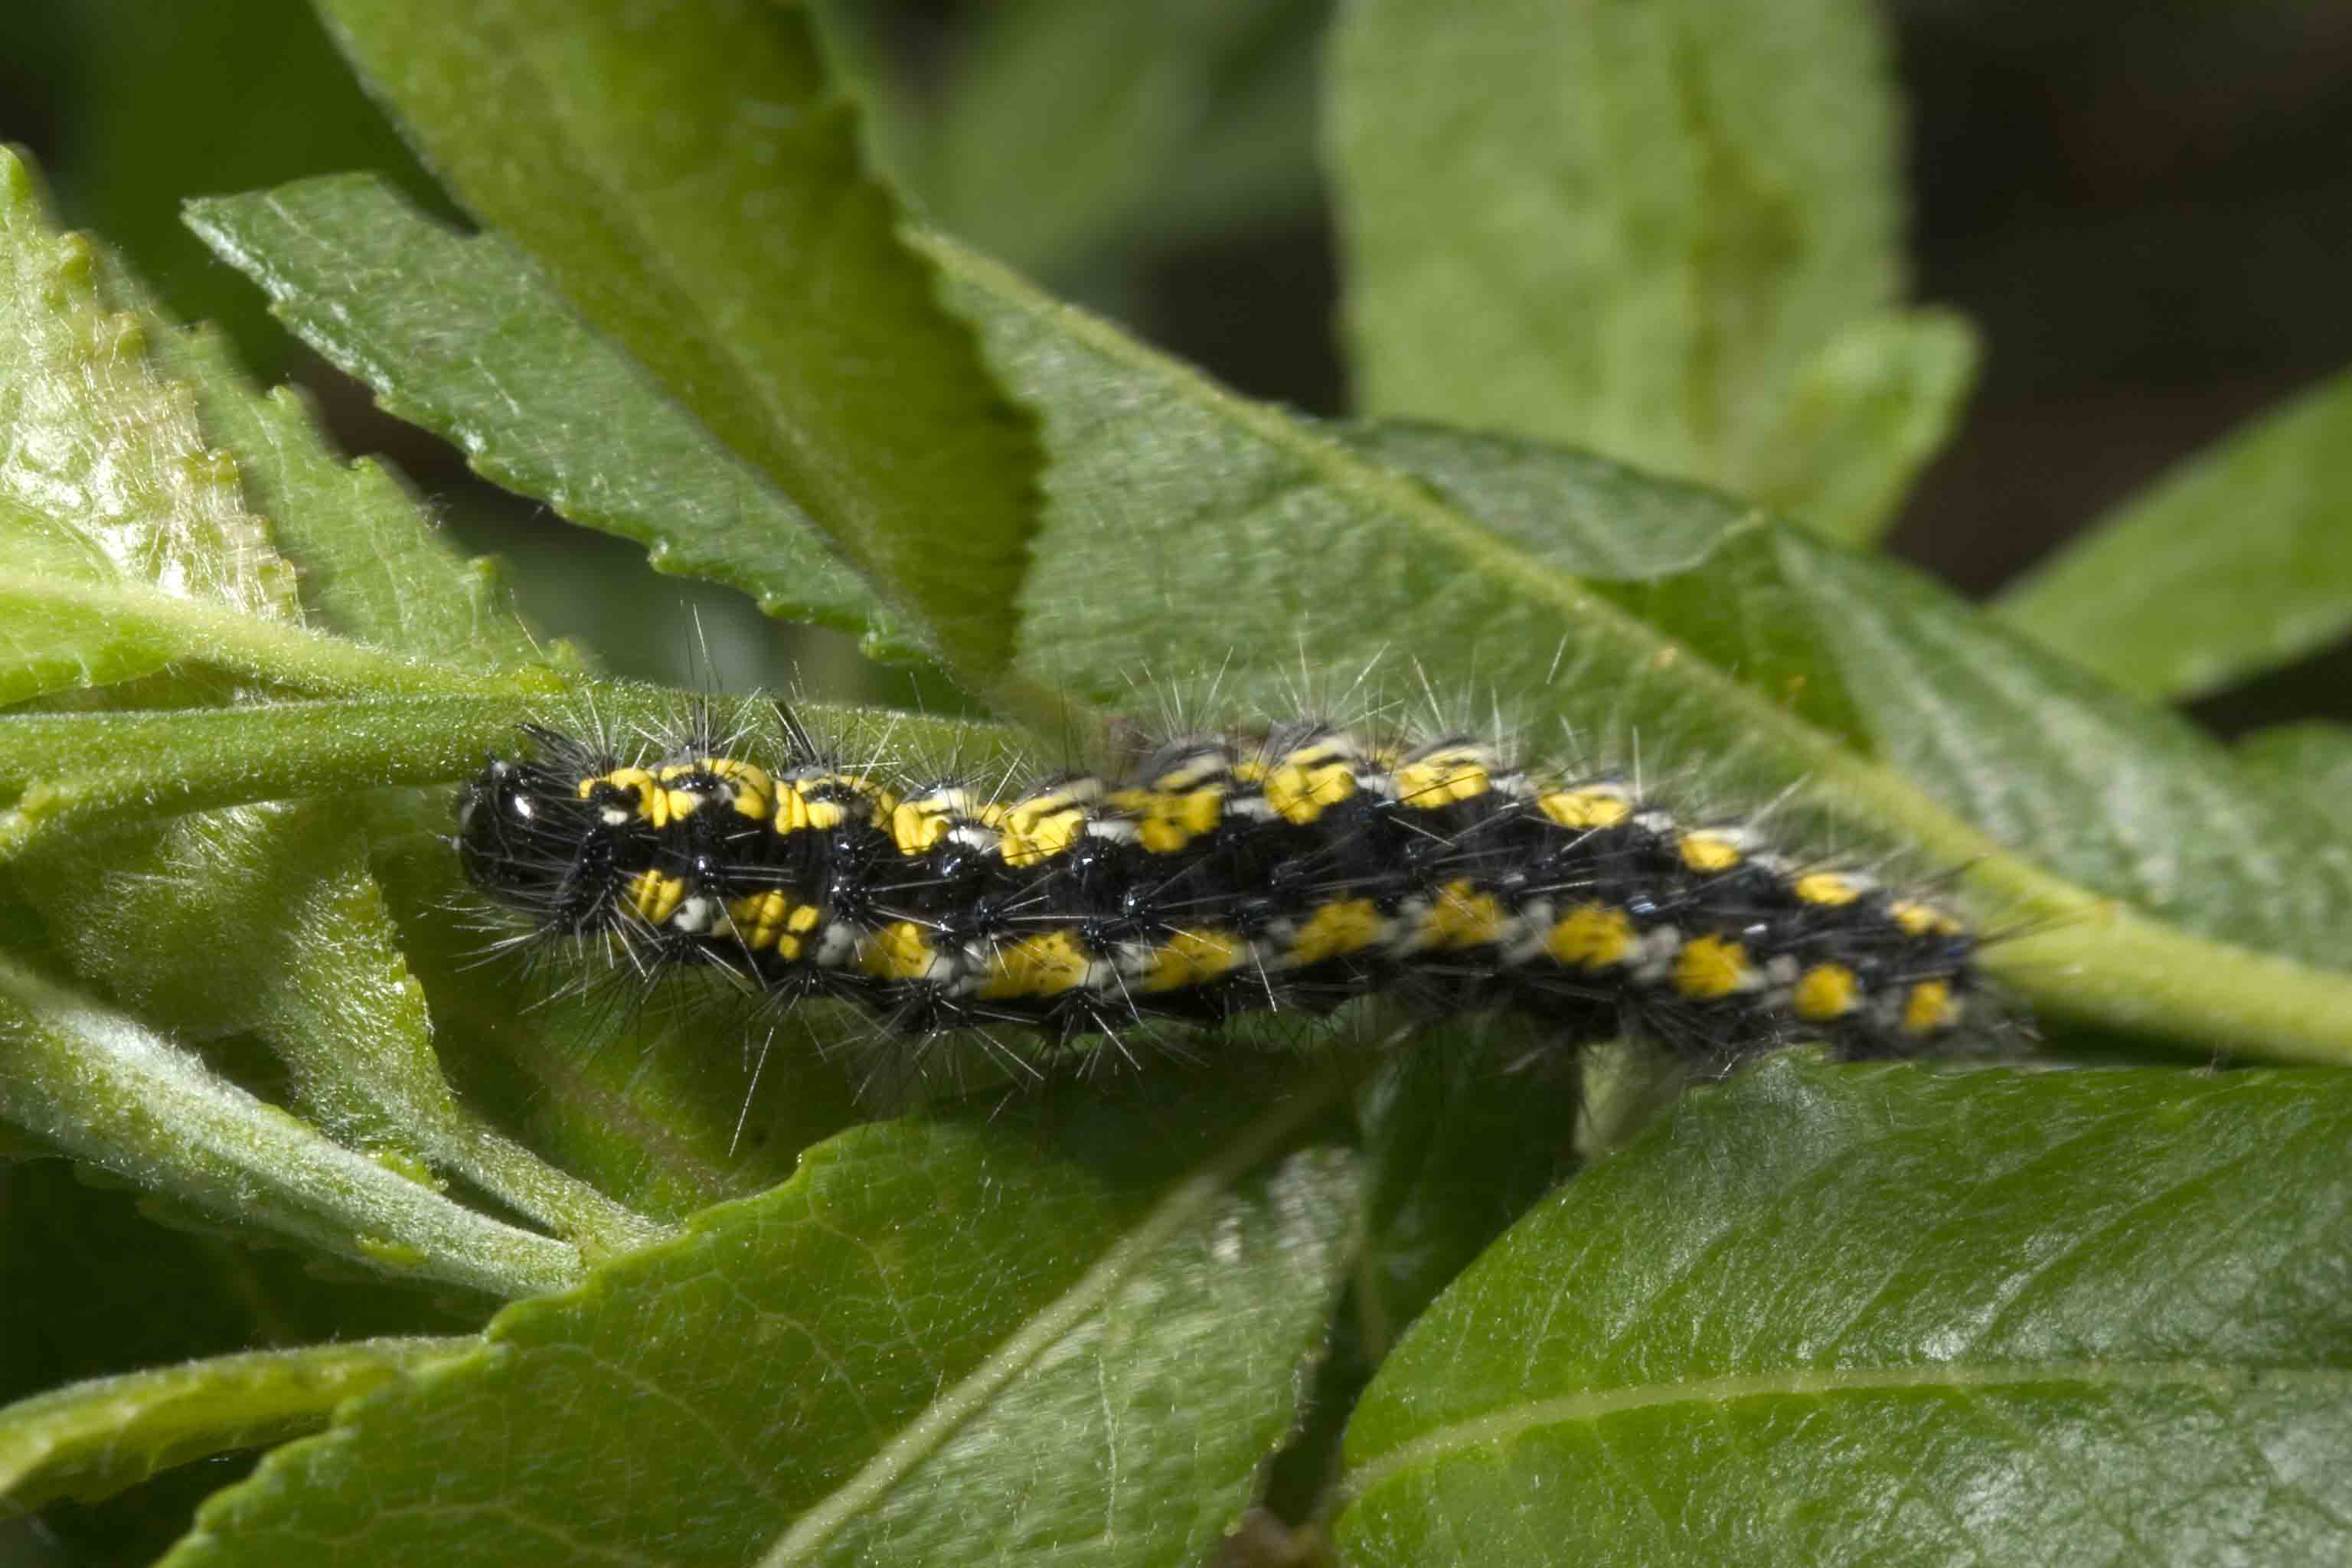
[(1292, 870)]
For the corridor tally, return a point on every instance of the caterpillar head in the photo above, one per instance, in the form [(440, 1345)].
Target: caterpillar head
[(527, 838)]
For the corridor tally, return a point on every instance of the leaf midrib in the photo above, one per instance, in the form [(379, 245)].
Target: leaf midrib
[(2287, 1010), (280, 1394), (1590, 1405), (636, 235), (1384, 490), (946, 1415), (319, 663)]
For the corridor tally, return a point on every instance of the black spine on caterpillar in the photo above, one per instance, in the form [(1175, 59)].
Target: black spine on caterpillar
[(1295, 871)]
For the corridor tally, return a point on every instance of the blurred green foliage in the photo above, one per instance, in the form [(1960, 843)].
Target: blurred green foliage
[(1078, 1323)]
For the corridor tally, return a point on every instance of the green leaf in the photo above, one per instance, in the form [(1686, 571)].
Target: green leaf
[(63, 775), (58, 634), (894, 119), (2314, 762), (137, 129), (1864, 414), (105, 478), (321, 967), (2237, 561), (460, 336), (311, 963), (1174, 117), (315, 970), (1584, 593), (129, 547), (1587, 593), (1026, 1333), (669, 1106), (69, 774), (107, 1255), (103, 1088), (90, 1440), (650, 1112), (693, 189), (1632, 227), (1455, 1151), (1850, 1314), (372, 566), (2110, 791)]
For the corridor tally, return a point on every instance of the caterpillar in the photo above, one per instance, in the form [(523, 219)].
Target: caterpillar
[(1289, 870)]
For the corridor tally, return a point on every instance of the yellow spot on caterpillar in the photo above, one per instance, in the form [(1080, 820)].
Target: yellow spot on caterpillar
[(899, 951), (759, 919), (808, 802), (1046, 965), (799, 810), (1194, 769), (1311, 780), (751, 791), (1192, 958), (1705, 849), (755, 791), (1914, 918), (792, 813), (1594, 806), (1931, 1007), (1340, 928), (1825, 992), (1710, 968), (1831, 889), (1462, 917), (634, 782), (1166, 821), (917, 825), (1592, 936), (914, 830), (1444, 777), (1046, 824), (655, 896)]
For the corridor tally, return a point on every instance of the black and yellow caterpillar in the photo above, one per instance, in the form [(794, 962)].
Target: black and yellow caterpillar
[(1292, 870)]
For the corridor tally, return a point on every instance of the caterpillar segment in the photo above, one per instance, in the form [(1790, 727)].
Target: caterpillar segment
[(1226, 875)]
